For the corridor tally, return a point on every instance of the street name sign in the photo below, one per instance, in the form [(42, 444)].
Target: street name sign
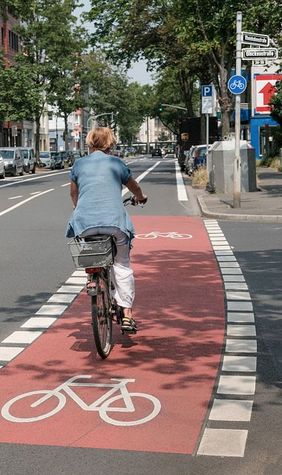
[(255, 39), (237, 84), (250, 54)]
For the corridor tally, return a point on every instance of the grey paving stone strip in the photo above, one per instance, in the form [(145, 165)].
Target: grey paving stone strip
[(234, 395)]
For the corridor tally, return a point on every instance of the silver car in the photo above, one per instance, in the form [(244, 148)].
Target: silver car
[(13, 160), (2, 168), (45, 159)]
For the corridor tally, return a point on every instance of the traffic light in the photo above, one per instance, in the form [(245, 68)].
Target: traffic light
[(160, 108)]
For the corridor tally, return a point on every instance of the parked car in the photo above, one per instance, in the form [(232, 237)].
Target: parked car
[(57, 161), (13, 160), (29, 159), (2, 168), (45, 159)]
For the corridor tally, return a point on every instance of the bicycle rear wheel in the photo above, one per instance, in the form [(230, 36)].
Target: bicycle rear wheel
[(101, 317)]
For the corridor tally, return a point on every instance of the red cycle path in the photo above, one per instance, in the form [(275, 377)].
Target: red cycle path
[(174, 357)]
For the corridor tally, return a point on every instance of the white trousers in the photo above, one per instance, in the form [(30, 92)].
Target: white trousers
[(122, 274)]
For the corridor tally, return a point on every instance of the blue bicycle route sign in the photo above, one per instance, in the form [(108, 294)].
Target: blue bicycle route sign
[(237, 84)]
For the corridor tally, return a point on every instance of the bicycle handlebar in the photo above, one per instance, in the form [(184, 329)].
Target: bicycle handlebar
[(132, 201)]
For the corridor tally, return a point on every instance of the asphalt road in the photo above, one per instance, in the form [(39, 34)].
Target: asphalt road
[(35, 262)]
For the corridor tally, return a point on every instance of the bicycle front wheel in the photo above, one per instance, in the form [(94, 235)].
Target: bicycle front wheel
[(101, 318)]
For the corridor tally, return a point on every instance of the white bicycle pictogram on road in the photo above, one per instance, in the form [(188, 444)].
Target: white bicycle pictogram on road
[(103, 404), (171, 234)]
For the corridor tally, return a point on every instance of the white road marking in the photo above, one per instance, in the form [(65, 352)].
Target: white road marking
[(239, 385), (66, 184), (39, 322), (240, 317), (235, 286), (22, 337), (76, 280), (181, 189), (7, 353), (24, 201), (51, 310), (73, 289), (223, 442), (140, 177), (240, 346), (35, 192), (61, 298), (231, 410), (239, 306), (15, 197), (224, 265), (238, 295), (239, 363), (24, 180)]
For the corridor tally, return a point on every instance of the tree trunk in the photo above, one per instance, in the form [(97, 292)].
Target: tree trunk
[(66, 132), (224, 101), (37, 137)]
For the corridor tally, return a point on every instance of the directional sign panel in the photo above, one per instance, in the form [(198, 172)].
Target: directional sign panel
[(264, 88), (250, 54), (255, 39)]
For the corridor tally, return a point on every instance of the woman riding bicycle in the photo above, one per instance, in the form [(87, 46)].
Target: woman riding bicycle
[(96, 193)]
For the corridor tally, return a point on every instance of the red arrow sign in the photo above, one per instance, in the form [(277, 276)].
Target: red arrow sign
[(268, 90)]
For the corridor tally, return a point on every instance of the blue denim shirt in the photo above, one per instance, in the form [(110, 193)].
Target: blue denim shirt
[(99, 178)]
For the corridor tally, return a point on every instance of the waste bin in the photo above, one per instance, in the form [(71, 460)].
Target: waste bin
[(221, 163)]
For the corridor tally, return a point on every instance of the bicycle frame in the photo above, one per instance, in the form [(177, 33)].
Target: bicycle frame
[(115, 387)]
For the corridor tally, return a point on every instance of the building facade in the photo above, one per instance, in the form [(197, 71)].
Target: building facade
[(12, 133)]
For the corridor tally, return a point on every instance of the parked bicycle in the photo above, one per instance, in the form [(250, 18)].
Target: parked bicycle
[(96, 255)]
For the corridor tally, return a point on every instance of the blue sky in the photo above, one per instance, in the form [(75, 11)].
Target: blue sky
[(138, 70)]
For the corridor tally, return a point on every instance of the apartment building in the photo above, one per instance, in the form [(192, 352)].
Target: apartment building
[(12, 133)]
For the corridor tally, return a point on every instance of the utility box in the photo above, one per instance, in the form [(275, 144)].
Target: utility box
[(221, 163)]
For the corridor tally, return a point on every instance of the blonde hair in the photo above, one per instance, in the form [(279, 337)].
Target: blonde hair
[(100, 138)]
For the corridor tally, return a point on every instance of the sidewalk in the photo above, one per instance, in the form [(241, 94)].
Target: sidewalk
[(264, 205)]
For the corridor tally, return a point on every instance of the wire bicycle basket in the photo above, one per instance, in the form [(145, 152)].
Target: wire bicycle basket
[(97, 251)]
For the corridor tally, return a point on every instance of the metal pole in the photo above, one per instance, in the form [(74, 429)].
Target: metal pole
[(207, 137), (237, 158)]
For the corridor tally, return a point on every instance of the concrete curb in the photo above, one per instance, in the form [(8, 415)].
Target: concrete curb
[(262, 218)]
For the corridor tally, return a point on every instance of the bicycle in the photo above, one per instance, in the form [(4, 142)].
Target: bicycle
[(103, 404), (156, 234), (96, 255)]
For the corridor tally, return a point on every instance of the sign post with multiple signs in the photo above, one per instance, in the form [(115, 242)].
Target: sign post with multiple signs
[(258, 51), (208, 108)]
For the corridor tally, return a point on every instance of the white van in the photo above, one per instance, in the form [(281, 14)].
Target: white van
[(29, 159)]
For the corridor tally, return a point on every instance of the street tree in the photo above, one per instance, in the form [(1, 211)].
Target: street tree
[(42, 28), (111, 93), (197, 37)]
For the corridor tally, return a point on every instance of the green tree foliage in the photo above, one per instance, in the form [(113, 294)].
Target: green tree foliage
[(46, 63), (276, 105), (197, 38), (111, 92)]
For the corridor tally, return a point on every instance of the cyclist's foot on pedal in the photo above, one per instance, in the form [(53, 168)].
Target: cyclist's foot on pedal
[(128, 325)]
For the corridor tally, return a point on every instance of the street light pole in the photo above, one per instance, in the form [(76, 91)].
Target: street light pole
[(95, 117), (237, 158), (148, 136)]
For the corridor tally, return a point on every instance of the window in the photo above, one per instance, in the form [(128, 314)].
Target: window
[(13, 41)]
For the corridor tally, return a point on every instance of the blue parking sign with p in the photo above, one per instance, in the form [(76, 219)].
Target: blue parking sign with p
[(207, 90)]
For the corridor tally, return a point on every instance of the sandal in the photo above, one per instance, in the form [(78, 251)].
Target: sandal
[(128, 325)]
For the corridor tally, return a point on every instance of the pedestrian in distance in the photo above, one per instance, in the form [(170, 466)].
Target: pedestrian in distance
[(96, 192)]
